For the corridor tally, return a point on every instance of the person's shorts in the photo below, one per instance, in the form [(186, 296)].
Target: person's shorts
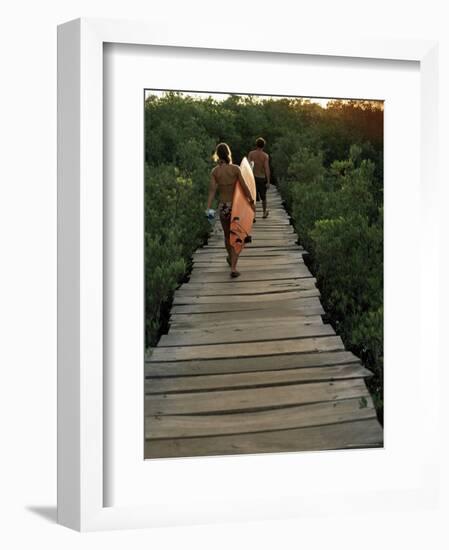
[(261, 188)]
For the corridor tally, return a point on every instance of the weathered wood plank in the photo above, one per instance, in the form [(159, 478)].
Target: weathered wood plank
[(248, 349), (287, 239), (316, 414), (251, 320), (253, 379), (310, 314), (252, 258), (274, 296), (241, 287), (229, 283), (248, 364), (297, 304), (223, 335), (260, 249), (248, 399), (347, 435), (261, 265), (273, 221), (258, 243), (264, 240), (297, 272), (249, 268), (278, 230)]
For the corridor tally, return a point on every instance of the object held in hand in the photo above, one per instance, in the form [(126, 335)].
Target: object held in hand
[(210, 214)]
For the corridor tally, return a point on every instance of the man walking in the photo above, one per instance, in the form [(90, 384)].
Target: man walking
[(261, 169)]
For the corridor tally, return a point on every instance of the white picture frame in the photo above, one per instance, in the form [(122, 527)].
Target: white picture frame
[(81, 475)]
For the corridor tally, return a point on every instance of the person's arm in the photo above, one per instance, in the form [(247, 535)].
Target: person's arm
[(246, 190), (267, 170), (212, 190)]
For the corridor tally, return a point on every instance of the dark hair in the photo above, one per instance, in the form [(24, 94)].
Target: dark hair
[(260, 142), (222, 152)]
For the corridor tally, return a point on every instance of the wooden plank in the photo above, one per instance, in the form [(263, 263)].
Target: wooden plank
[(297, 272), (248, 349), (253, 379), (276, 213), (266, 239), (245, 298), (248, 399), (218, 244), (273, 221), (347, 435), (294, 304), (281, 230), (254, 254), (276, 208), (261, 265), (282, 227), (274, 232), (219, 251), (245, 267), (267, 257), (292, 250), (248, 364), (253, 263), (234, 284), (233, 334), (261, 226), (316, 414), (269, 315), (253, 257), (254, 248), (273, 239), (243, 322), (241, 287)]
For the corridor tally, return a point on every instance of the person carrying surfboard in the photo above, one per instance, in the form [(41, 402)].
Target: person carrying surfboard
[(224, 178), (261, 169)]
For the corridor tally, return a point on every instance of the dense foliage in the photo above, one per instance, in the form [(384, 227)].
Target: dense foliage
[(328, 164)]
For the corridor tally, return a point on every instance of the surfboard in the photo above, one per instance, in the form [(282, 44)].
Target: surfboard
[(242, 214)]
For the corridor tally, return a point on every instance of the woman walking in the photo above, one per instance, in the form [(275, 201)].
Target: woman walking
[(224, 177)]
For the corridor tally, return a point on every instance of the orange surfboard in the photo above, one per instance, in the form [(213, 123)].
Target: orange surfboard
[(242, 215)]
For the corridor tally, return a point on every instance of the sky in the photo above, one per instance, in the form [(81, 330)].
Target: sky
[(220, 97)]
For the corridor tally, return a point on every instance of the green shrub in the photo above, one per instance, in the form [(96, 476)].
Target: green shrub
[(349, 265), (338, 217), (174, 227)]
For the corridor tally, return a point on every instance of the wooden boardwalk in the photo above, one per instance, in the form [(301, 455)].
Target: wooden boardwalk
[(248, 366)]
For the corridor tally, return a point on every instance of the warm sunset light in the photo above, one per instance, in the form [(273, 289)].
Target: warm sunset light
[(221, 97), (322, 101)]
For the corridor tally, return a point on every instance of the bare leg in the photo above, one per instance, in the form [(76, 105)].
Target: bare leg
[(232, 255), (229, 249), (234, 258)]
